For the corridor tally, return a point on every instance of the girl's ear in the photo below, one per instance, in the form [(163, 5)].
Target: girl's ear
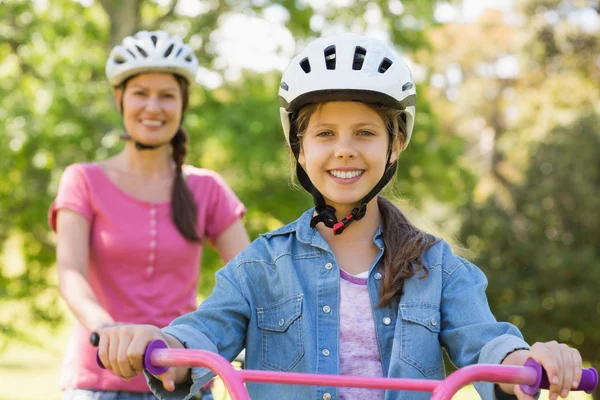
[(396, 150), (118, 94), (301, 158)]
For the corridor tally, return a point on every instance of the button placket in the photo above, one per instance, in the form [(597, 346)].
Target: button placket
[(153, 242)]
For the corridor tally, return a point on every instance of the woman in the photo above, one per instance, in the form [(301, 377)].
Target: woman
[(130, 229)]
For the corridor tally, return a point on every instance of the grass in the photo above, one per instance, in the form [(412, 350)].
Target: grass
[(31, 372)]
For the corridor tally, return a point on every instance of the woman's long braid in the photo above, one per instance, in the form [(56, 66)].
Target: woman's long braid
[(183, 207)]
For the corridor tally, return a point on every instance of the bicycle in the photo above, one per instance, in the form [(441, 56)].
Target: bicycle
[(158, 358)]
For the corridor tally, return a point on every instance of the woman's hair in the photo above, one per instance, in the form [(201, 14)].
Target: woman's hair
[(403, 242), (184, 210)]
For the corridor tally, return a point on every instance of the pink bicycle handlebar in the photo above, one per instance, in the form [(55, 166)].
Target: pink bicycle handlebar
[(531, 376)]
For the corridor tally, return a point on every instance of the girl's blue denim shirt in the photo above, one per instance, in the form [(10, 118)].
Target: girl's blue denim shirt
[(279, 299)]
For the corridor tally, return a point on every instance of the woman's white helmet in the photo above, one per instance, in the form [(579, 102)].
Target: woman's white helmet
[(347, 67), (151, 51)]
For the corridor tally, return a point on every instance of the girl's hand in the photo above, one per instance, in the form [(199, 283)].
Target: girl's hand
[(121, 350), (562, 364)]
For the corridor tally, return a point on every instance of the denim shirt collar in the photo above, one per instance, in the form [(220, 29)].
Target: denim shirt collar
[(311, 236)]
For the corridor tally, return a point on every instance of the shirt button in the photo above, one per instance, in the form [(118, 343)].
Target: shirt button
[(153, 243), (150, 269), (153, 232), (325, 352), (281, 322), (152, 211), (328, 266), (326, 309), (387, 321), (433, 321), (152, 222), (377, 275), (326, 396), (151, 257)]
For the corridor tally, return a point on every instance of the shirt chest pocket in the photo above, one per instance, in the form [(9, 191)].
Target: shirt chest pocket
[(420, 339), (281, 333)]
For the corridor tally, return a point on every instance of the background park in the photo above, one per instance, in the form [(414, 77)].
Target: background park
[(504, 161)]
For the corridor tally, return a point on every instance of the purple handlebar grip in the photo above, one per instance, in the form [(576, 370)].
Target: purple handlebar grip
[(589, 379), (154, 345), (98, 361)]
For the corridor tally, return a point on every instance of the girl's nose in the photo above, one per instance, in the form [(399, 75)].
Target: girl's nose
[(345, 148)]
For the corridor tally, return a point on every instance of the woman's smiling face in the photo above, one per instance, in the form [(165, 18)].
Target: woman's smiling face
[(152, 107)]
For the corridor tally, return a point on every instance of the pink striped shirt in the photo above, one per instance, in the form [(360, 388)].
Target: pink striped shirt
[(140, 267)]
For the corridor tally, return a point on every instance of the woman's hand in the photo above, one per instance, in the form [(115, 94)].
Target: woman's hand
[(562, 364), (121, 350)]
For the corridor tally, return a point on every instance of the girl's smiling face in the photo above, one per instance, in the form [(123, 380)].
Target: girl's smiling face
[(344, 151)]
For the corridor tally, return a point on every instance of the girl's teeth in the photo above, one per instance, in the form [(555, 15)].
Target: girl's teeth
[(346, 174)]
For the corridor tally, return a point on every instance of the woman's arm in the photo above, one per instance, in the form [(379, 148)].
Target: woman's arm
[(72, 257), (232, 241)]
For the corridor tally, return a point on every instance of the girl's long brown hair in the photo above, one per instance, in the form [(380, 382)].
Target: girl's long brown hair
[(184, 210), (403, 242)]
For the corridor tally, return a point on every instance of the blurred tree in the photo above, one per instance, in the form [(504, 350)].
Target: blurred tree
[(542, 257), (57, 109), (523, 91)]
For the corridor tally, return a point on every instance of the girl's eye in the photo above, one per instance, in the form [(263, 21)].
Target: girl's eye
[(324, 133), (366, 133), (168, 96), (138, 93)]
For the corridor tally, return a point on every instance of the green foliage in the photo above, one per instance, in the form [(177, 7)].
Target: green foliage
[(542, 259), (58, 109)]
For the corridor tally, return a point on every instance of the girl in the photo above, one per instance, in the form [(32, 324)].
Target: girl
[(130, 229), (351, 287)]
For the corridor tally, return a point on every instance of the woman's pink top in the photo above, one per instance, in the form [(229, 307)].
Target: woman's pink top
[(140, 267)]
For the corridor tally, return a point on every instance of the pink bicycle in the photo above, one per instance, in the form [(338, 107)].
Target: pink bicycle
[(531, 376)]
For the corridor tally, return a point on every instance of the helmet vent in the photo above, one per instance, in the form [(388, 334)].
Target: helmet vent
[(330, 57), (169, 50), (119, 60), (154, 39), (359, 58), (142, 51), (386, 63), (132, 54), (305, 65), (284, 86)]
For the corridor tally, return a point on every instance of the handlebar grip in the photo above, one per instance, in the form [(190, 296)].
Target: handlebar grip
[(589, 379), (95, 339), (153, 345)]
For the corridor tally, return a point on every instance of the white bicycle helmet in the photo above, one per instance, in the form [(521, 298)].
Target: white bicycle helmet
[(151, 51), (347, 67)]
